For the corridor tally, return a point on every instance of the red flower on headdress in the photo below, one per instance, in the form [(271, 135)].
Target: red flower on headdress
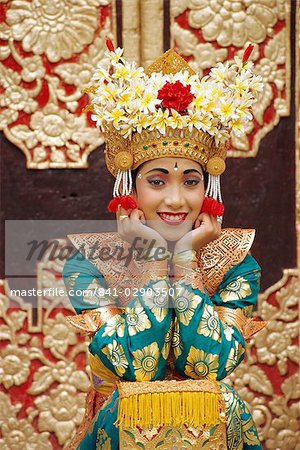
[(109, 44), (247, 53), (175, 96)]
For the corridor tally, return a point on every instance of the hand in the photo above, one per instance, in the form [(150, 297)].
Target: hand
[(206, 229), (134, 227)]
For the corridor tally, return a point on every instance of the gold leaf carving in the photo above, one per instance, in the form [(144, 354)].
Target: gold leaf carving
[(32, 23), (291, 387), (231, 23), (58, 385), (205, 55), (236, 24), (40, 108)]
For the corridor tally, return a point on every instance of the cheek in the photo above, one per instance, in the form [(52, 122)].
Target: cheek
[(196, 200), (147, 199)]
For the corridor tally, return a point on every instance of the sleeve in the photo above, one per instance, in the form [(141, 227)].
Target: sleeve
[(86, 287), (204, 345), (133, 344)]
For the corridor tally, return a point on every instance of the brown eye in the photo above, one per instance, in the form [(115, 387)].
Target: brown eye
[(156, 182), (192, 182)]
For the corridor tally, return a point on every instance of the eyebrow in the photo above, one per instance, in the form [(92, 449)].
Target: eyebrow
[(160, 169)]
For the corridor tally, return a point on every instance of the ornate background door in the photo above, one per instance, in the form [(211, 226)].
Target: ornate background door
[(52, 168)]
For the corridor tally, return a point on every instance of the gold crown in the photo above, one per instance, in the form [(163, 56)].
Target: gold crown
[(175, 114), (122, 153)]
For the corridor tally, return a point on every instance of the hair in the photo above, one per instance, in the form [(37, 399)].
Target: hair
[(134, 174)]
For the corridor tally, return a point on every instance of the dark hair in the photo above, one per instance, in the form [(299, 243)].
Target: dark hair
[(135, 172)]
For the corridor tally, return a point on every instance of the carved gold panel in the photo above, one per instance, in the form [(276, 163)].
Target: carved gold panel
[(49, 52), (207, 32), (43, 374)]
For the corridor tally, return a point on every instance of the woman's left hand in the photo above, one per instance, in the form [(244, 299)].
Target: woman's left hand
[(206, 229)]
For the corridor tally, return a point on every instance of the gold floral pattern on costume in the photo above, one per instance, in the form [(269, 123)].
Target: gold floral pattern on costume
[(103, 442), (115, 354), (201, 364), (167, 344), (247, 311), (71, 280), (210, 325), (95, 295), (115, 325), (158, 304), (236, 290), (176, 339), (145, 362), (234, 356), (136, 319), (228, 331), (186, 303)]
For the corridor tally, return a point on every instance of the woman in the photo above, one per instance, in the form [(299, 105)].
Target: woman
[(172, 293)]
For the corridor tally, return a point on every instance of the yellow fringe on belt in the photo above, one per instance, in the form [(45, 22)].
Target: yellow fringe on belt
[(159, 403)]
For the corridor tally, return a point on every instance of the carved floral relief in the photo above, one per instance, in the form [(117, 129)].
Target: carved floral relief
[(207, 32), (48, 50)]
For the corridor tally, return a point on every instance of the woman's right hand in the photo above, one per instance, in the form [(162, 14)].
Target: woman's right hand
[(135, 227)]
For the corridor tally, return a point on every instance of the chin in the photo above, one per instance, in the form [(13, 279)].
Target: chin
[(176, 232)]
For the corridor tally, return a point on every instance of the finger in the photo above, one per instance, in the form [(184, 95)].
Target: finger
[(135, 215), (217, 226), (121, 221), (139, 216), (205, 218), (142, 216), (197, 223)]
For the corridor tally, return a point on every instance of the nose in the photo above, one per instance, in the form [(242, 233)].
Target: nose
[(174, 198)]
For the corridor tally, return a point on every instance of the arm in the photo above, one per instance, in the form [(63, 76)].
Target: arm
[(134, 343), (85, 285), (206, 345)]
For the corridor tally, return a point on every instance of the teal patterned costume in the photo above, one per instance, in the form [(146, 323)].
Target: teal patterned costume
[(137, 344)]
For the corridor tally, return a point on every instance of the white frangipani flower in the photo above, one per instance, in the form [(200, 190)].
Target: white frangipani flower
[(237, 126), (227, 110), (126, 129), (183, 77), (141, 122), (160, 121), (149, 100), (128, 98), (100, 75), (115, 56), (219, 73), (115, 116), (176, 120), (256, 85)]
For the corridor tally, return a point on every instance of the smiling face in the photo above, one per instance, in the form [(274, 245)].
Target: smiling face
[(170, 192)]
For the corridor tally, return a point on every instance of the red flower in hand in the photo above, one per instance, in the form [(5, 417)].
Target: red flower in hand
[(175, 96)]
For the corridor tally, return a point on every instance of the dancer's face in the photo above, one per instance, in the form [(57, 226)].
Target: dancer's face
[(170, 192)]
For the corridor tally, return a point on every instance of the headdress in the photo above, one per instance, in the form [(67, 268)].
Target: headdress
[(167, 110)]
